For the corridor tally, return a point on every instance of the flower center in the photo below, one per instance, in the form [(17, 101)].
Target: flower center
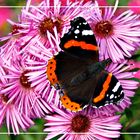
[(49, 24), (4, 98), (24, 80), (15, 29), (80, 123), (104, 28)]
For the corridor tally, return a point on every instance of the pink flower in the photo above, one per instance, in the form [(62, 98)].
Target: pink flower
[(134, 6), (13, 118), (82, 125), (37, 66), (137, 74), (5, 13), (133, 64), (117, 36), (18, 30), (12, 47), (39, 20), (36, 1), (9, 113), (100, 2), (17, 87)]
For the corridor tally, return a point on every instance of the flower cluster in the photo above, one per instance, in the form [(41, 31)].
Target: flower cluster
[(25, 89)]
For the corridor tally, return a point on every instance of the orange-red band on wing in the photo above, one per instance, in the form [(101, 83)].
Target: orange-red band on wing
[(51, 67), (80, 44), (105, 88)]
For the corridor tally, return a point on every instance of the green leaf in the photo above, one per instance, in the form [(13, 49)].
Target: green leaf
[(121, 2), (38, 127), (137, 137), (4, 137), (135, 126), (129, 114), (26, 137), (56, 138), (15, 2), (123, 119), (111, 1), (127, 137)]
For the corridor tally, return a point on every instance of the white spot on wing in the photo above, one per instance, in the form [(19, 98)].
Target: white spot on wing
[(76, 31), (116, 87), (85, 23), (87, 32), (111, 96)]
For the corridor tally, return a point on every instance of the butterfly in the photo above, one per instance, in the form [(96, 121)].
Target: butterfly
[(77, 73)]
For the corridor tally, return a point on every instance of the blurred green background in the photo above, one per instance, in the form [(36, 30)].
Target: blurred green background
[(130, 118)]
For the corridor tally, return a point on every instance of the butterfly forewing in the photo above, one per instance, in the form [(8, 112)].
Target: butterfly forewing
[(80, 40)]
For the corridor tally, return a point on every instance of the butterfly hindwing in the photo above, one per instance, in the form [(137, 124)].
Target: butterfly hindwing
[(108, 90), (68, 67), (77, 79)]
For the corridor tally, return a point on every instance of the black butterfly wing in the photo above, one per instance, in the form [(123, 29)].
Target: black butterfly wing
[(78, 79), (68, 67), (80, 40), (108, 90)]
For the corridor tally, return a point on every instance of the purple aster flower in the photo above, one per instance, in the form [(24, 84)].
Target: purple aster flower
[(17, 30), (137, 75), (16, 39), (13, 46), (13, 118), (49, 14), (35, 22), (133, 64), (84, 125), (117, 35), (17, 87), (37, 66)]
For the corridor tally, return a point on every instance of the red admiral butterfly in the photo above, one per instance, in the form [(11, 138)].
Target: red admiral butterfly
[(77, 72)]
